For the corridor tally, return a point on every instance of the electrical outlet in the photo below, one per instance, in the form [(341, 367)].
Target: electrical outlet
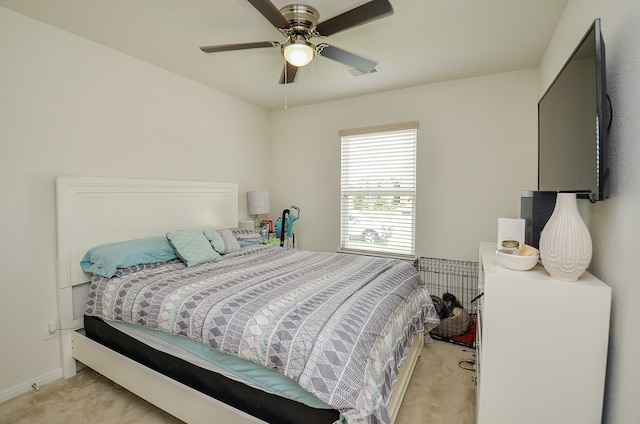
[(49, 329)]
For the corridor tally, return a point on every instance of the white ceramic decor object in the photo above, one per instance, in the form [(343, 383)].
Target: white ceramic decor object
[(517, 262), (565, 242)]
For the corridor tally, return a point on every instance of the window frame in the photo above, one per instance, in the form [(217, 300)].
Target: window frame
[(394, 198)]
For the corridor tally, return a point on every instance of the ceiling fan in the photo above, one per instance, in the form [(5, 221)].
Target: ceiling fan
[(299, 23)]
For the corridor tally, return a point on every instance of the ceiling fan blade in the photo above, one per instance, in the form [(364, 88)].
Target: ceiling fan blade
[(346, 58), (370, 11), (239, 46), (290, 71), (270, 12)]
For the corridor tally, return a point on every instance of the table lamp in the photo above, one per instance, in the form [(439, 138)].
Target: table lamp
[(257, 204)]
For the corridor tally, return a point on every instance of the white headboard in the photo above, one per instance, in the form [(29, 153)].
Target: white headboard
[(94, 211)]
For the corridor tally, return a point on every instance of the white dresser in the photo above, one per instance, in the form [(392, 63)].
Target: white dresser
[(542, 346)]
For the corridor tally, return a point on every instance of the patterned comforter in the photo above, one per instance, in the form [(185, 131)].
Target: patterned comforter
[(340, 325)]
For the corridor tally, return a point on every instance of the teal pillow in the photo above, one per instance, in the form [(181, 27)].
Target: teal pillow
[(105, 259), (222, 241), (192, 247)]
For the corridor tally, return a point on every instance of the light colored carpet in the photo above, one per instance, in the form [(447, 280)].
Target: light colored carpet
[(439, 392)]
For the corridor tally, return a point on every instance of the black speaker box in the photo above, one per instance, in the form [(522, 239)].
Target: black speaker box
[(535, 208)]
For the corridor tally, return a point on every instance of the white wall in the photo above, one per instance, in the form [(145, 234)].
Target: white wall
[(477, 149), (614, 223), (71, 107)]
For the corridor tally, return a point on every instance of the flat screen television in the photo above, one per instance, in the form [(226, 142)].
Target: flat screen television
[(573, 120)]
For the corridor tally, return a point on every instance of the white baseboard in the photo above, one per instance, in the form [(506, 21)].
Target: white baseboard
[(26, 386)]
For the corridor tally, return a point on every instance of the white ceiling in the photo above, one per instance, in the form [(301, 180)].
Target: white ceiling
[(424, 41)]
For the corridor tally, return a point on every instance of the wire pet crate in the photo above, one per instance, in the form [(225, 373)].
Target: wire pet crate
[(460, 278)]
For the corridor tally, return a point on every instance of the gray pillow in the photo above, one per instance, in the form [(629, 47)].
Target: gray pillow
[(222, 241)]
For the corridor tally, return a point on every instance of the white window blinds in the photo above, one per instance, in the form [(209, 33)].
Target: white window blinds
[(378, 189)]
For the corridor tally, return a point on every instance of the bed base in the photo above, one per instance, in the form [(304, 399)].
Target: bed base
[(258, 403), (177, 399), (185, 403)]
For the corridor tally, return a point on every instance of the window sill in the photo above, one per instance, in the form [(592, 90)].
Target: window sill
[(378, 254)]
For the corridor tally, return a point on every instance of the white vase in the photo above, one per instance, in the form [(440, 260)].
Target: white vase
[(565, 242)]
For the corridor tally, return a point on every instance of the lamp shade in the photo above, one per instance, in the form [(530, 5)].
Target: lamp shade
[(258, 202)]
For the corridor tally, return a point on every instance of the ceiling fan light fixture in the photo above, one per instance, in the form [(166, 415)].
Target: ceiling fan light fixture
[(298, 52)]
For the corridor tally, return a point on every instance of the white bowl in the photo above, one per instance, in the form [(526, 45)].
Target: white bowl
[(517, 262)]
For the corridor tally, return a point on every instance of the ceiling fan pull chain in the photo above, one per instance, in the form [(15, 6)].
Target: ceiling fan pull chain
[(286, 100)]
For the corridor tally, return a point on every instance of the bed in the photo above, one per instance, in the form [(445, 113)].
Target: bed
[(185, 358)]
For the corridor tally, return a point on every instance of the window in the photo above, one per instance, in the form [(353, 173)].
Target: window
[(378, 189)]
